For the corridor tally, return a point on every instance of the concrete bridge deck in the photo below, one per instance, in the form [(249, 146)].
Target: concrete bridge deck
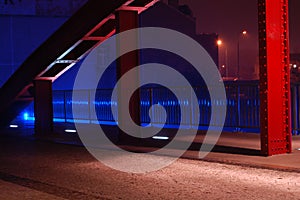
[(43, 168), (231, 148)]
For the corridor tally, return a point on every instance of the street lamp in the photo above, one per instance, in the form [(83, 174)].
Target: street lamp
[(225, 65), (243, 33), (219, 42)]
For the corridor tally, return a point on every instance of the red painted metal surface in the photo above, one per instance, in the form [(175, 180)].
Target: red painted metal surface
[(126, 20), (274, 77), (43, 108)]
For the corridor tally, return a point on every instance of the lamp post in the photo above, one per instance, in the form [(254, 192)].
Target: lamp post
[(224, 65), (219, 44), (243, 33)]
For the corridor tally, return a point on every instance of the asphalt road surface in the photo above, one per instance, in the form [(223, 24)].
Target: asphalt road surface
[(32, 169)]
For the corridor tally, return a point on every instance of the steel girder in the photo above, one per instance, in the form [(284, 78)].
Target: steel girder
[(275, 120), (86, 29)]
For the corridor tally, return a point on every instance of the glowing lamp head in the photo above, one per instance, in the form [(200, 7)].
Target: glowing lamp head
[(294, 66), (219, 42)]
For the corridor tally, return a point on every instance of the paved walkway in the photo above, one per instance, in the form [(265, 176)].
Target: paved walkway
[(231, 148), (38, 169)]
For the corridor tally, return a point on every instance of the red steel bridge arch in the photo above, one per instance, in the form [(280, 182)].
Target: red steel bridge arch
[(97, 21)]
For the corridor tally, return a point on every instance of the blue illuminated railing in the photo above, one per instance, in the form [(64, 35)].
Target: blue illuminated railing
[(242, 107)]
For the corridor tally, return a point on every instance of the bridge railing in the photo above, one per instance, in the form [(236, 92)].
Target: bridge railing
[(242, 106)]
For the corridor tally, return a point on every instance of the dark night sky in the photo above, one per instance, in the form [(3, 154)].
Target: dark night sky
[(229, 17)]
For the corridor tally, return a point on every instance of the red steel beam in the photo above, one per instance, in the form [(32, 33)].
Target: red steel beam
[(43, 107), (126, 20), (274, 77)]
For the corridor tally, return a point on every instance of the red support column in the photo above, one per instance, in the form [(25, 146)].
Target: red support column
[(43, 107), (127, 20), (275, 121)]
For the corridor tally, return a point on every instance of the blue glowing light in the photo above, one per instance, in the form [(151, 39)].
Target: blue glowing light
[(25, 116)]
